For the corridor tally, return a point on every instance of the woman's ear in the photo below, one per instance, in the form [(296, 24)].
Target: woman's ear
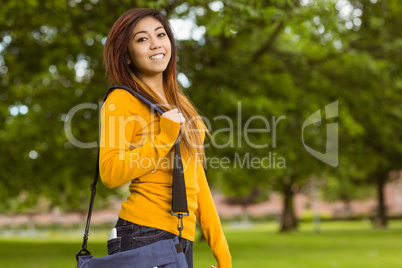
[(128, 61)]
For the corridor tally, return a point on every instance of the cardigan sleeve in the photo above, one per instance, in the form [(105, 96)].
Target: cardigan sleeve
[(122, 117), (208, 218)]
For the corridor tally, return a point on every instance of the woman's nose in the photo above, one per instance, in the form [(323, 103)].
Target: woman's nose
[(155, 43)]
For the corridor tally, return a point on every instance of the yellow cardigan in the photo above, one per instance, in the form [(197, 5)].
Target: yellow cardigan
[(136, 147)]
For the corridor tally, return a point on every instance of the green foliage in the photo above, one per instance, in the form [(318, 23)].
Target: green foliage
[(344, 189), (278, 58)]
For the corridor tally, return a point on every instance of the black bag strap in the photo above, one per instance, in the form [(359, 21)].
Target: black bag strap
[(84, 251), (179, 196)]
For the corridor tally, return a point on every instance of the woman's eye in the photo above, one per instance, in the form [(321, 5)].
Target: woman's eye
[(141, 39), (161, 34)]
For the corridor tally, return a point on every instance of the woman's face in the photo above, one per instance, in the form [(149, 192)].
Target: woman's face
[(149, 48)]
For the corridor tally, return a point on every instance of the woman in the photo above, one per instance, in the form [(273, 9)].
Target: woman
[(137, 143)]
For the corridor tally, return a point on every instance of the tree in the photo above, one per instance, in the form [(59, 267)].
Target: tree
[(283, 58), (51, 61), (247, 65), (372, 80)]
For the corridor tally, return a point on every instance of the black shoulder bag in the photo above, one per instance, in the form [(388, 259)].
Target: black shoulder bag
[(164, 253)]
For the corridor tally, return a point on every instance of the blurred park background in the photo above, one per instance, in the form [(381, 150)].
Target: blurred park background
[(274, 59)]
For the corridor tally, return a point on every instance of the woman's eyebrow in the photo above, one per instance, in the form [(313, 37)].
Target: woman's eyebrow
[(157, 28)]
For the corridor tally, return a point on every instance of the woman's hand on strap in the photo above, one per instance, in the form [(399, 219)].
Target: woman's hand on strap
[(175, 116)]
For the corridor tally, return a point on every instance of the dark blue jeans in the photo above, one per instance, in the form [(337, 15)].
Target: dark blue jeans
[(132, 236)]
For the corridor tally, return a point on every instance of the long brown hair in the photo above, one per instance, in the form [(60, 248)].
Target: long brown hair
[(120, 72)]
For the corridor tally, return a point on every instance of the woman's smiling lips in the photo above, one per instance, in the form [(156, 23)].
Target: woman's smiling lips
[(157, 56)]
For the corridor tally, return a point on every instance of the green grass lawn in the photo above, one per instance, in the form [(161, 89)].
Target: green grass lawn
[(338, 244)]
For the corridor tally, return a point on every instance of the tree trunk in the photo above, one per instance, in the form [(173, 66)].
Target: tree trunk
[(288, 218), (381, 219)]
